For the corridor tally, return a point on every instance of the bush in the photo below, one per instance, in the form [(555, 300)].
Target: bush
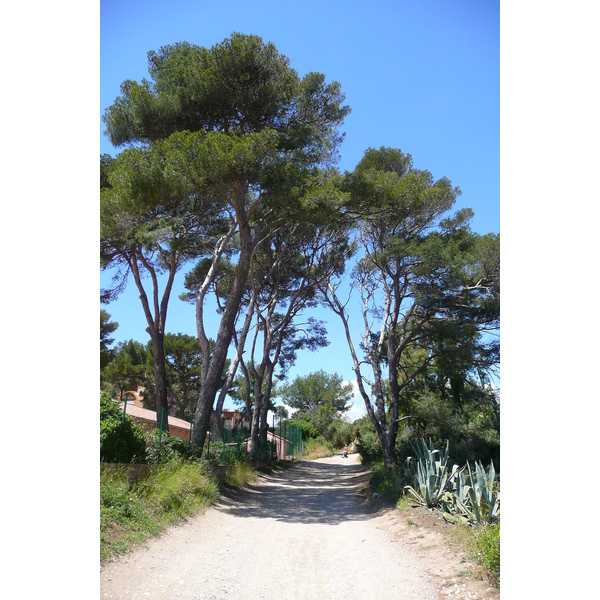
[(171, 447), (120, 441), (369, 447), (472, 429), (340, 433), (308, 429), (488, 541)]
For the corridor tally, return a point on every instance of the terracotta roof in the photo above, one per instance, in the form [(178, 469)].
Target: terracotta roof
[(150, 416)]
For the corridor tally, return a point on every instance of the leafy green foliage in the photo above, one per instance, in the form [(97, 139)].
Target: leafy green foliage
[(238, 86), (369, 447), (309, 431), (315, 390), (120, 441), (472, 427), (183, 360), (320, 400), (428, 285), (340, 433), (224, 137), (106, 328), (488, 541), (172, 447), (130, 366)]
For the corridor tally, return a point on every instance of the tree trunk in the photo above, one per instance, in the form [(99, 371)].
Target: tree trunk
[(388, 450), (236, 361), (254, 432), (156, 326), (160, 382), (212, 380)]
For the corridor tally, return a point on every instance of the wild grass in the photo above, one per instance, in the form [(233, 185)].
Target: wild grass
[(317, 448), (482, 545), (131, 513), (240, 475)]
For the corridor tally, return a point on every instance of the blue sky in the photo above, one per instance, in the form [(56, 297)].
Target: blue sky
[(423, 77)]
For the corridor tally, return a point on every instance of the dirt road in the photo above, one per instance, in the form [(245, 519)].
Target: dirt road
[(311, 531)]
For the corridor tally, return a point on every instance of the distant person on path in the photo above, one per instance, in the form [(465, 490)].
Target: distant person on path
[(345, 450)]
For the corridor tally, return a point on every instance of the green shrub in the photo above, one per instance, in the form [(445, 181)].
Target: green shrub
[(472, 429), (234, 453), (369, 447), (120, 441), (340, 433), (308, 429), (171, 447), (488, 542)]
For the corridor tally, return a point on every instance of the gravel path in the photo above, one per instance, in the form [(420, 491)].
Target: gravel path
[(311, 531)]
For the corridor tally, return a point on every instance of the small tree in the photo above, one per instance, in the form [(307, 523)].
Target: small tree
[(319, 398), (129, 368), (106, 328)]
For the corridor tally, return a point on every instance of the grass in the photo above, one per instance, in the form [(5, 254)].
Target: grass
[(130, 513), (317, 448), (240, 475), (482, 545)]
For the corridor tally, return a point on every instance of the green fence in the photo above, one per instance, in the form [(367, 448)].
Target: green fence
[(292, 436), (226, 447)]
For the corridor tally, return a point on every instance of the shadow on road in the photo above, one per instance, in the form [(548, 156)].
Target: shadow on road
[(310, 492)]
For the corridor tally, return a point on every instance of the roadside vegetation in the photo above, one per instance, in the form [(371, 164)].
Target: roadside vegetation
[(232, 178), (175, 483), (134, 510), (467, 497)]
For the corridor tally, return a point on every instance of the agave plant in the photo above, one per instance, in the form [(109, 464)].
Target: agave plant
[(431, 477), (475, 499)]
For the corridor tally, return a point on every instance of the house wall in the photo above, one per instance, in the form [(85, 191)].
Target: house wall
[(184, 434)]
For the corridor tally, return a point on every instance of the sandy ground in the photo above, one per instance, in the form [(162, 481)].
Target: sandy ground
[(313, 533)]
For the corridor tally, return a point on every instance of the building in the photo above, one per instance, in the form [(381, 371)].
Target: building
[(147, 419), (231, 419)]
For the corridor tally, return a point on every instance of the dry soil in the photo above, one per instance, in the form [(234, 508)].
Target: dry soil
[(312, 532)]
